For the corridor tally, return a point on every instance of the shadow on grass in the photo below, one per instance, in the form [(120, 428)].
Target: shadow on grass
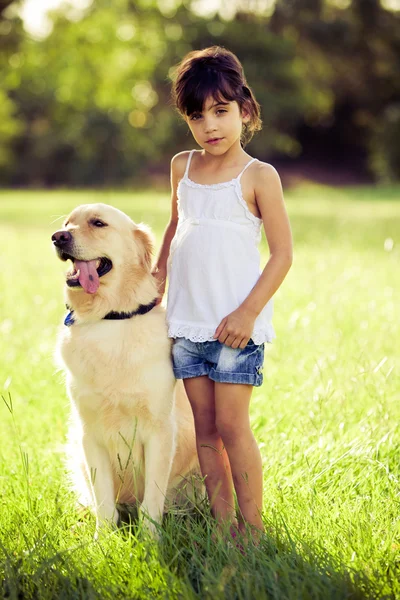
[(187, 563), (278, 568), (45, 584)]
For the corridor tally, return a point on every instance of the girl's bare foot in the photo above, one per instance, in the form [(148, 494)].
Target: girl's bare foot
[(250, 534), (225, 530)]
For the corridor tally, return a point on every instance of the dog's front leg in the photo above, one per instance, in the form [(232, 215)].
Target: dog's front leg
[(101, 481), (158, 452)]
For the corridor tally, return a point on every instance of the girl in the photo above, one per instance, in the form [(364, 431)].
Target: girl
[(219, 306)]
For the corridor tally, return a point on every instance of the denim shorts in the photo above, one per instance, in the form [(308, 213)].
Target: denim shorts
[(218, 361)]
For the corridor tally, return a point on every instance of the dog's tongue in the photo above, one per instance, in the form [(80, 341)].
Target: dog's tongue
[(88, 276)]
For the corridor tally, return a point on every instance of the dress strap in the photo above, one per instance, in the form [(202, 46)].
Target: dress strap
[(189, 160), (248, 164)]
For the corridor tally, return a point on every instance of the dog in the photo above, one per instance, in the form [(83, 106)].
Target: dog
[(132, 429)]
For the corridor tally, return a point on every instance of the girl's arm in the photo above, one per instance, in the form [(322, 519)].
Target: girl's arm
[(236, 328), (178, 165)]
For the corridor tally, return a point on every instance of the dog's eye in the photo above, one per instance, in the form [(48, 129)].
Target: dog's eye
[(98, 223)]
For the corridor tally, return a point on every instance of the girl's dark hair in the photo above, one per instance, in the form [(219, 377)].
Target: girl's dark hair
[(214, 72)]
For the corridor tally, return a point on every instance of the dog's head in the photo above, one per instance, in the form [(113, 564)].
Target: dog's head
[(101, 240)]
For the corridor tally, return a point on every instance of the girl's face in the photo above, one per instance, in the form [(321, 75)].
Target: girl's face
[(219, 126)]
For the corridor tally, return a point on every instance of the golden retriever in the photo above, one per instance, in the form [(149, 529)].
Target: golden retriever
[(132, 426)]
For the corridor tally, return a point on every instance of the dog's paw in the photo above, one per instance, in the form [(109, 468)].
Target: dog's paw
[(152, 529), (105, 526), (148, 524)]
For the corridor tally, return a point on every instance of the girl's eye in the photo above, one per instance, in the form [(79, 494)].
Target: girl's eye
[(98, 223), (195, 117), (221, 110)]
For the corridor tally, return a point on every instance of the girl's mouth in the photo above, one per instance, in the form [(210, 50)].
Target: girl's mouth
[(213, 141)]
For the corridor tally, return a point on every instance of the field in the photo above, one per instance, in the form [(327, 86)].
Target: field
[(326, 419)]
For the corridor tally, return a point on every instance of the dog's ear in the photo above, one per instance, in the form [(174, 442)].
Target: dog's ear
[(144, 236)]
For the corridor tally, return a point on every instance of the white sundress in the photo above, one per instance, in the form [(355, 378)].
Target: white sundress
[(214, 260)]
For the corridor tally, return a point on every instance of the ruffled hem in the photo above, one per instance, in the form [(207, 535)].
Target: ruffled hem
[(204, 334)]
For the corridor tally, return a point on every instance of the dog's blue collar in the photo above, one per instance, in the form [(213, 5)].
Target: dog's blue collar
[(69, 319), (115, 316)]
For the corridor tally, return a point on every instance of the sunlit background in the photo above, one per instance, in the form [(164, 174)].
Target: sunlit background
[(34, 13), (85, 87)]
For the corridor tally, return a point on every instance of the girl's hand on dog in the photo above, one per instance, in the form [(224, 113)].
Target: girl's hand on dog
[(161, 277)]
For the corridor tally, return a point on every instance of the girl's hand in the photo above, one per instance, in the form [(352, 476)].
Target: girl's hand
[(235, 329), (161, 276)]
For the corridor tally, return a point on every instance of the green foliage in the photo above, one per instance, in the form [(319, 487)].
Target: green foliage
[(385, 155), (94, 96), (90, 103), (326, 419), (10, 127), (357, 49)]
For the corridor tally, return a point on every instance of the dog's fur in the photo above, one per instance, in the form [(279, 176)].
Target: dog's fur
[(132, 426)]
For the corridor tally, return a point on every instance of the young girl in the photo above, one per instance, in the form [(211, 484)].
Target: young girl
[(219, 305)]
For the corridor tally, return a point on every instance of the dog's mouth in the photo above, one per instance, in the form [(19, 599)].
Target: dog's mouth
[(87, 273)]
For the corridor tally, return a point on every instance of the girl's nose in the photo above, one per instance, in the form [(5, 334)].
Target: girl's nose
[(209, 126)]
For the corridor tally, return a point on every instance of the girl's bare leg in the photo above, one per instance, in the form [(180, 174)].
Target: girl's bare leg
[(233, 424), (214, 462)]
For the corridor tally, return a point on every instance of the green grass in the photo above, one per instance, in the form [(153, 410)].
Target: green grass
[(326, 419)]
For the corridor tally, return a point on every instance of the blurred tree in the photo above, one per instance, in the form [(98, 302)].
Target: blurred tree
[(80, 90), (90, 103), (359, 48), (94, 96), (11, 34), (4, 4)]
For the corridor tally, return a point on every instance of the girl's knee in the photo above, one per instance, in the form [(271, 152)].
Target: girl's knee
[(232, 431)]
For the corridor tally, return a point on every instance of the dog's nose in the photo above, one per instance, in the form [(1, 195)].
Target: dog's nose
[(61, 238)]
